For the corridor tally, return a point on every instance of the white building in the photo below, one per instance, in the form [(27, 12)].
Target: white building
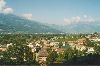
[(95, 39), (90, 50), (30, 45), (9, 45)]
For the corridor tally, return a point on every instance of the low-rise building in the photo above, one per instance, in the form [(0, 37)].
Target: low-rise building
[(81, 41), (90, 50), (94, 39), (42, 56), (80, 47), (3, 49), (9, 45), (60, 50)]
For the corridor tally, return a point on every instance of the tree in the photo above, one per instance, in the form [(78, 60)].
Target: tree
[(95, 32), (97, 49), (89, 43), (52, 57), (60, 44), (69, 53), (60, 58), (20, 52)]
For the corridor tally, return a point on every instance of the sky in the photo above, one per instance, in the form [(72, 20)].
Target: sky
[(60, 12)]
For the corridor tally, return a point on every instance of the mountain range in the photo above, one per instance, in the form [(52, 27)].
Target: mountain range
[(10, 23), (80, 27)]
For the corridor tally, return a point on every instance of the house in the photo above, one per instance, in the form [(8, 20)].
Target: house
[(81, 41), (94, 39), (54, 44), (88, 36), (72, 45), (60, 50), (37, 44), (2, 49), (13, 58), (80, 47), (90, 50), (42, 56), (33, 49), (9, 45), (30, 45)]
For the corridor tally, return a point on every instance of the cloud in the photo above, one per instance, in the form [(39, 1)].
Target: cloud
[(28, 16), (8, 10), (4, 9), (2, 4), (68, 21), (88, 18), (75, 19), (78, 19)]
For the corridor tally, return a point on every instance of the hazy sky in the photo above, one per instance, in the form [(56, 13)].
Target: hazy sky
[(57, 11)]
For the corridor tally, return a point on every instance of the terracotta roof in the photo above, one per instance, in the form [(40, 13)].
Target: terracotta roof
[(60, 50), (43, 53)]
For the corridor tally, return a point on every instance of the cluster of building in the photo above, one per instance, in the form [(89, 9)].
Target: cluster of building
[(39, 47)]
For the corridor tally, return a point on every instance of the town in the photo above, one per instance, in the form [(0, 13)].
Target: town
[(43, 49)]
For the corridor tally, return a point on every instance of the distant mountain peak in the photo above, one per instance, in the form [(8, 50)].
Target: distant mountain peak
[(16, 24)]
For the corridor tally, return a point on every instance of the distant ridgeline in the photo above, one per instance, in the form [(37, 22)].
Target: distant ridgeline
[(10, 23)]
